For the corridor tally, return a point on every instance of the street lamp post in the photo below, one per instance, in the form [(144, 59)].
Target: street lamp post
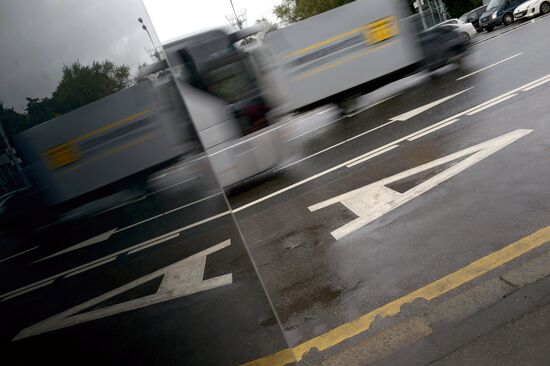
[(144, 27)]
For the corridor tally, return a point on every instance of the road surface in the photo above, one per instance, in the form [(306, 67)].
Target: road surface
[(437, 186)]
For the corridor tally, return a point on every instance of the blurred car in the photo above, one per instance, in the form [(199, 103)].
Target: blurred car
[(474, 16), (532, 8), (442, 45), (466, 29), (499, 12)]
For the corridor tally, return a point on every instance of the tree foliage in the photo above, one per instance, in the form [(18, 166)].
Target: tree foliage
[(457, 8), (290, 11), (79, 85), (82, 84)]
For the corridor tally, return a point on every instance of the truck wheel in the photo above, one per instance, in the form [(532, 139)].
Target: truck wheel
[(545, 7), (348, 105), (508, 19), (490, 29)]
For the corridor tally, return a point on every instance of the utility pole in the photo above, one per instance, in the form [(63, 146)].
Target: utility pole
[(442, 9), (237, 20), (418, 4), (154, 49)]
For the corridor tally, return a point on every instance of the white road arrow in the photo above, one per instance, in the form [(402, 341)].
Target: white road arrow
[(424, 108), (96, 239), (375, 200), (179, 279)]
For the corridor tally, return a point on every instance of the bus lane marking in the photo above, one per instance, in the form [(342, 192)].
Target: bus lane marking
[(185, 277), (376, 199)]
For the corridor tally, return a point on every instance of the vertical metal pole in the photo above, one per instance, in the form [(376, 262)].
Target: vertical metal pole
[(432, 12), (443, 12), (421, 14)]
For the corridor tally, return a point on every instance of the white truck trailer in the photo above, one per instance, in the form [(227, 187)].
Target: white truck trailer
[(232, 99)]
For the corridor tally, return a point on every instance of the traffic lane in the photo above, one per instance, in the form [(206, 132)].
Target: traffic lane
[(69, 245), (230, 324), (191, 184), (486, 85), (317, 282)]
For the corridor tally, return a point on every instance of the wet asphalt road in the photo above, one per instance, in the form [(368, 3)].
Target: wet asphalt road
[(315, 281)]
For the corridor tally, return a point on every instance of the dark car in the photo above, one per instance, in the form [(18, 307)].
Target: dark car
[(499, 12), (474, 16), (442, 45)]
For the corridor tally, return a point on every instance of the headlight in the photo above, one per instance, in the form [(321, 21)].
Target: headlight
[(495, 14)]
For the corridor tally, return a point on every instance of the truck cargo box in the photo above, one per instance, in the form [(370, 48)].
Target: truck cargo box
[(343, 49), (111, 139)]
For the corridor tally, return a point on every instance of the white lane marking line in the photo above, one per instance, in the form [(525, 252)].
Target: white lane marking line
[(153, 243), (297, 184), (536, 85), (490, 66), (361, 110), (491, 104), (375, 200), (410, 114), (315, 129), (190, 226), (182, 165), (96, 239), (173, 185), (120, 205), (431, 127), (326, 110), (417, 136), (283, 124), (309, 156), (333, 146), (370, 156), (182, 278), (369, 131), (90, 267), (18, 254), (167, 212), (29, 289)]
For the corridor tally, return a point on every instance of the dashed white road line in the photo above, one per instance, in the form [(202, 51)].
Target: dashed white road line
[(168, 212), (490, 66), (536, 85), (371, 155), (84, 269), (18, 254), (34, 286), (492, 104), (103, 260), (96, 239), (410, 114), (153, 243), (384, 148), (431, 128)]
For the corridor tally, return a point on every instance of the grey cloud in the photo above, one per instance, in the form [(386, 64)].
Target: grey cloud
[(39, 36)]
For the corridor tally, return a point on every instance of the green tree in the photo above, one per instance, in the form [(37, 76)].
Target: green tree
[(290, 11), (12, 121), (457, 8), (79, 85), (83, 84)]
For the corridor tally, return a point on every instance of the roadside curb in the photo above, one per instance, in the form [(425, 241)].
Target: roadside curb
[(445, 315), (525, 23)]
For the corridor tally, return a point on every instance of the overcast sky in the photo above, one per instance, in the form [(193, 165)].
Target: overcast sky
[(39, 36), (173, 18)]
